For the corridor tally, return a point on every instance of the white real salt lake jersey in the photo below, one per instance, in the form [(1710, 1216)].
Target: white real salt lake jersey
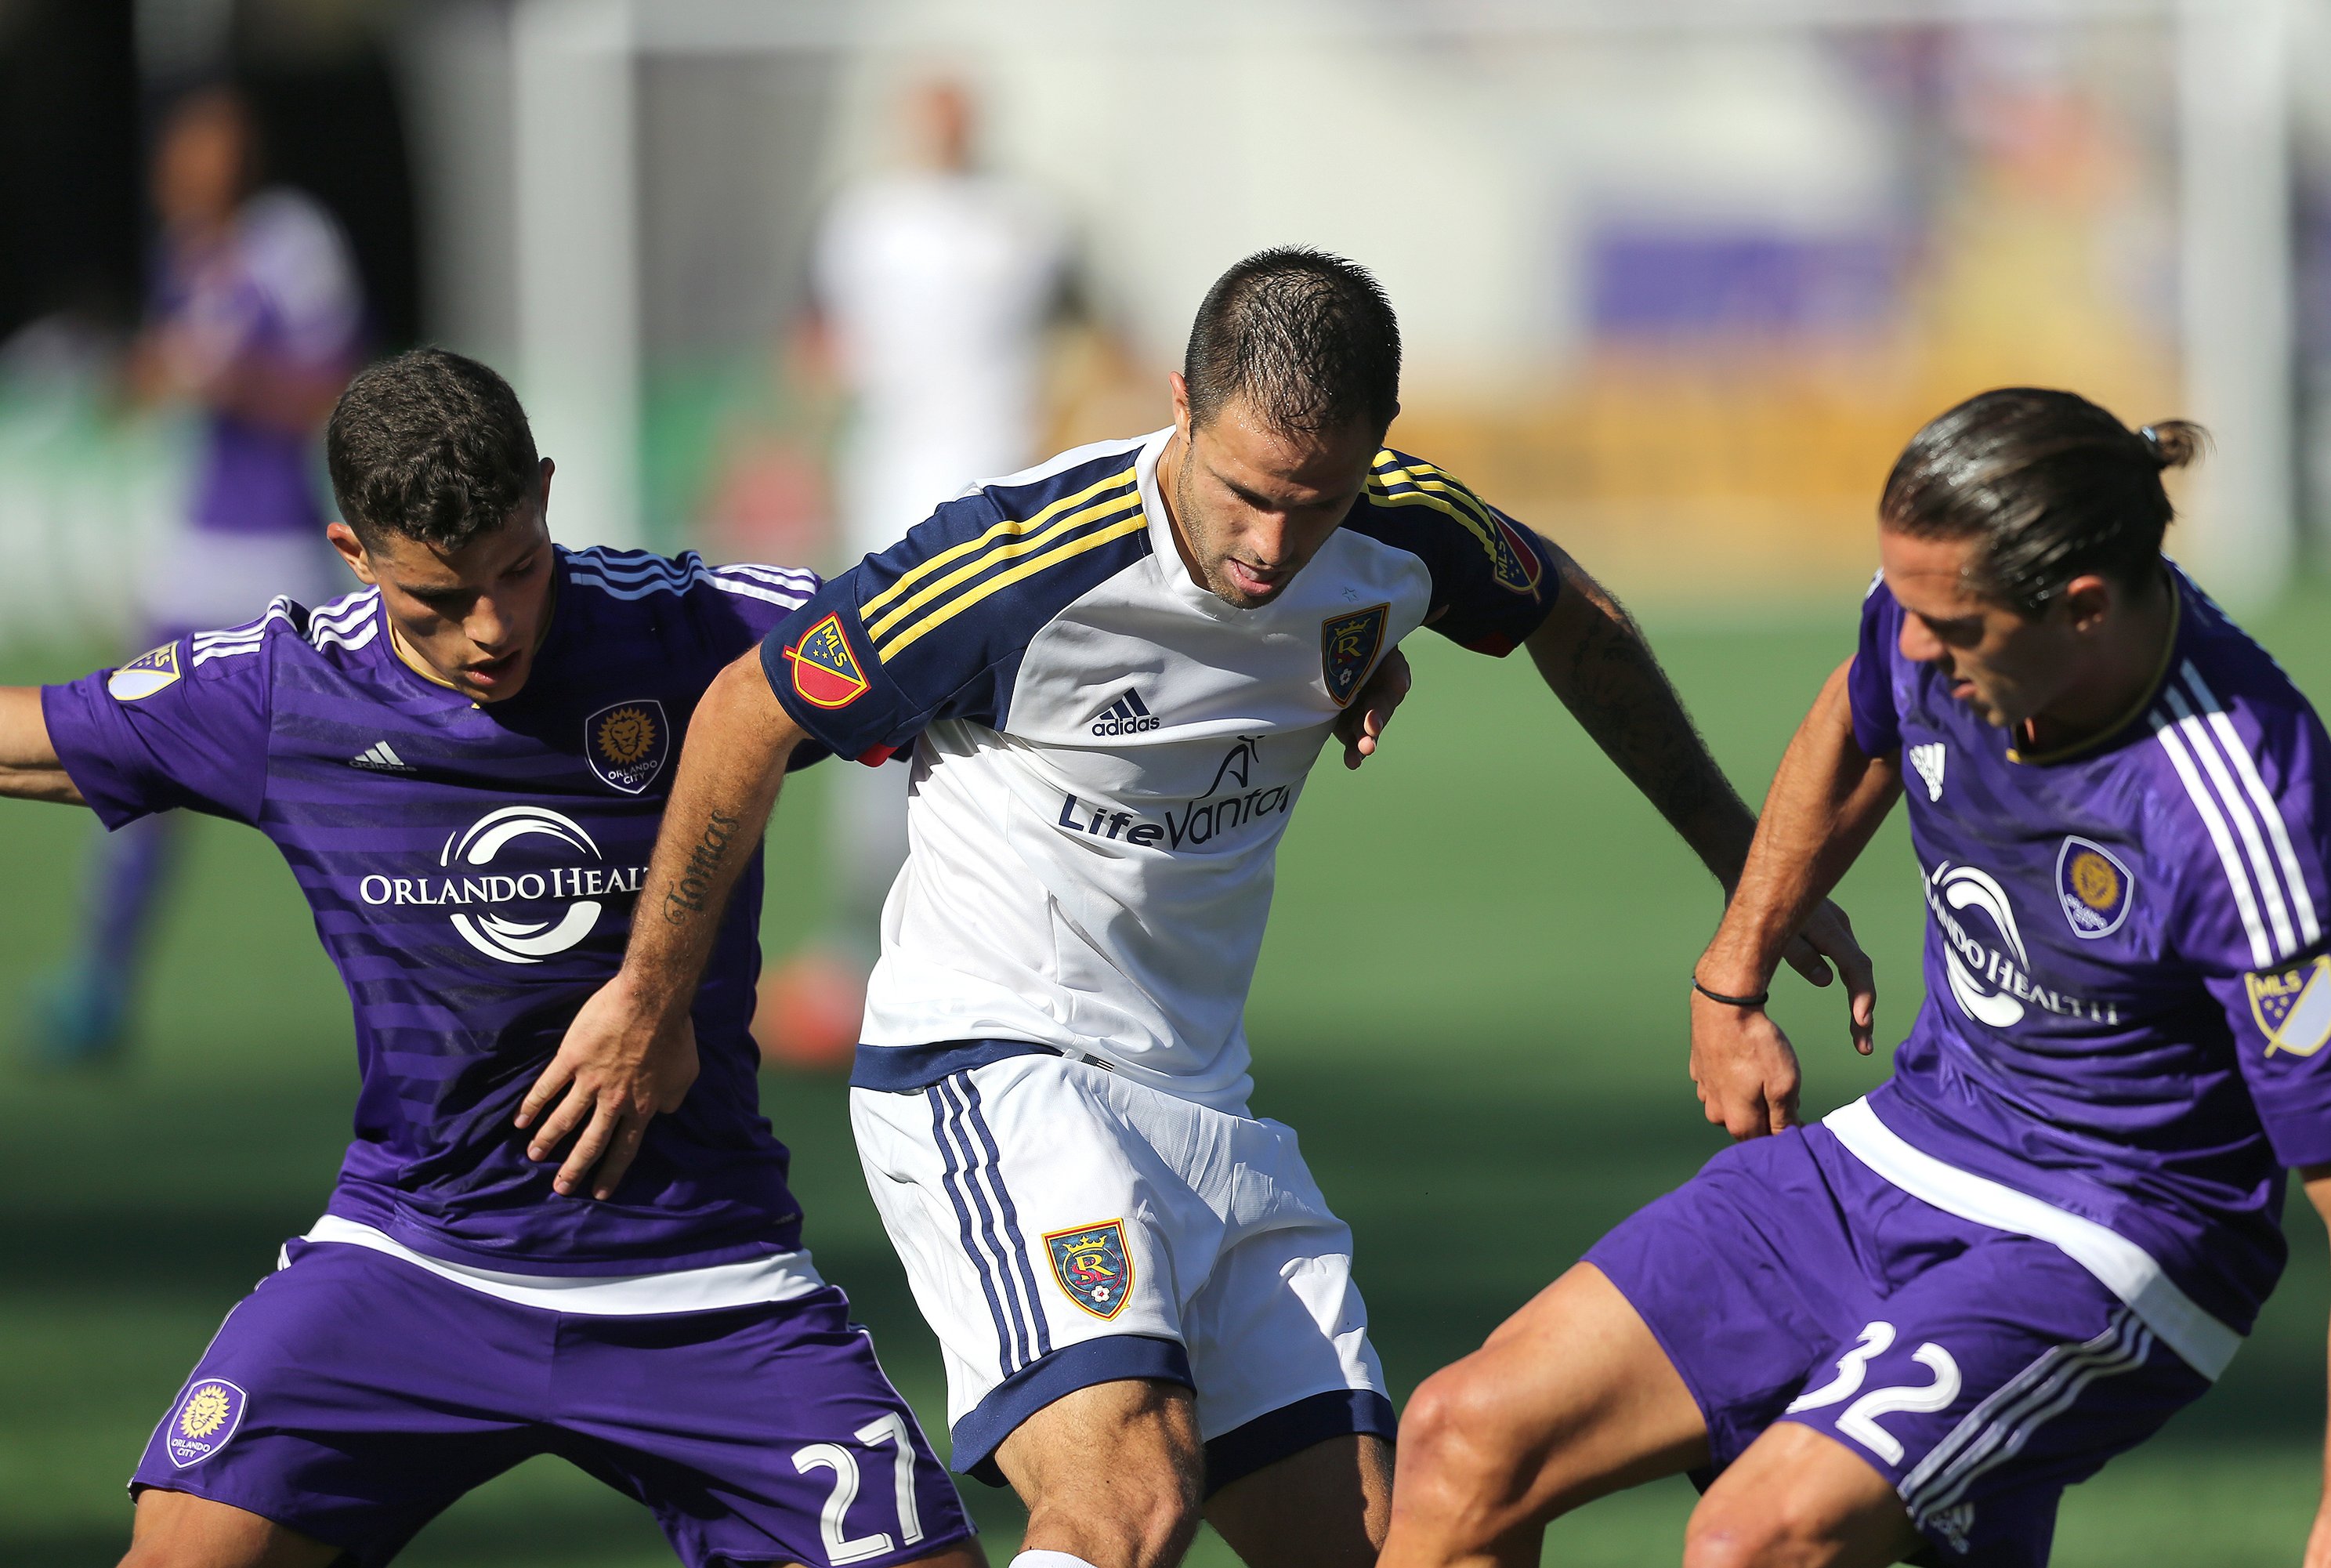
[(1106, 754)]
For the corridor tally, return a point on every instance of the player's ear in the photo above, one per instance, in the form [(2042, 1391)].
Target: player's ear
[(2087, 600), (351, 550), (1181, 389), (542, 489)]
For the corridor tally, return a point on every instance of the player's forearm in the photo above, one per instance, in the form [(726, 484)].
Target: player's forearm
[(29, 767), (1827, 800), (730, 773), (1596, 660)]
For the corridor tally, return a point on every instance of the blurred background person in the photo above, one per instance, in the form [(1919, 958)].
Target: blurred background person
[(935, 286), (255, 318)]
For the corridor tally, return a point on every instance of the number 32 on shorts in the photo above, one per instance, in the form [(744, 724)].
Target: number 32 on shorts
[(1859, 1419), (841, 1547)]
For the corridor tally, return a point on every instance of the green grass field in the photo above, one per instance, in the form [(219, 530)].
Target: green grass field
[(1471, 1004)]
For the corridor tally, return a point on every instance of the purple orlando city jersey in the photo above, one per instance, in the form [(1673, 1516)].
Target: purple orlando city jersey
[(2126, 996), (472, 871)]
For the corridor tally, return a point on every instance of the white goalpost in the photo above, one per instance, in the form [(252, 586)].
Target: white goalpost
[(577, 277)]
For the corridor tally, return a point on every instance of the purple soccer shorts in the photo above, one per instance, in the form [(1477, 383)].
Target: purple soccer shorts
[(1981, 1373), (353, 1396)]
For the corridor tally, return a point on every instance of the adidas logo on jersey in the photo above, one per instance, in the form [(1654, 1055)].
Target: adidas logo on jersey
[(1128, 715), (379, 758), (1928, 761)]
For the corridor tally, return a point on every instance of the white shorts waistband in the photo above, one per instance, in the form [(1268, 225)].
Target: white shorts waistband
[(780, 1276), (2120, 1264)]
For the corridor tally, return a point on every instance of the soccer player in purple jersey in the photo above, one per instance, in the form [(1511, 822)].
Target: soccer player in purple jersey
[(255, 321), (1903, 1331), (465, 764)]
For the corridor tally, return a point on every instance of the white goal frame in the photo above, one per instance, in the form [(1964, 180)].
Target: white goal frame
[(578, 314)]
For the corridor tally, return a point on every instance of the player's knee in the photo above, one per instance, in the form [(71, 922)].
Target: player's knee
[(1145, 1518), (1460, 1449), (1771, 1531)]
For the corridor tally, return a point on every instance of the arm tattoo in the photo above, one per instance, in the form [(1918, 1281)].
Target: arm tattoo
[(1625, 702), (689, 899)]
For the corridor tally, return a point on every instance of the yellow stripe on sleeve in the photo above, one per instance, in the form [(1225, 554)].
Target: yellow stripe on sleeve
[(997, 584), (1423, 476), (1008, 526), (878, 630)]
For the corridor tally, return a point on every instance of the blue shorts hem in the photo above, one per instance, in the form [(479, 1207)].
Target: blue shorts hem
[(912, 1068), (1291, 1429), (270, 1505), (1112, 1359)]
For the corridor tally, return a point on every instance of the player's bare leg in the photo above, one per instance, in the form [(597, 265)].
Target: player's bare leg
[(1111, 1473), (1799, 1499), (1571, 1399), (179, 1530), (1328, 1506)]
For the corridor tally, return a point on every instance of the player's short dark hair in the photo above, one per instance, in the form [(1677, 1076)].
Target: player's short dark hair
[(431, 445), (1309, 339), (2054, 486)]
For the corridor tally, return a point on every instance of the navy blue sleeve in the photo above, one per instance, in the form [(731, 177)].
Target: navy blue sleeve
[(1494, 580), (933, 627), (184, 725), (1870, 683)]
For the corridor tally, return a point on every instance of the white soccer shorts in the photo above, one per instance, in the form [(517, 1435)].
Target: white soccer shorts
[(1062, 1226)]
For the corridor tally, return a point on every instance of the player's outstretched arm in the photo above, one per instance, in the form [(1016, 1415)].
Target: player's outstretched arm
[(29, 766), (630, 1054), (1596, 660), (1826, 801)]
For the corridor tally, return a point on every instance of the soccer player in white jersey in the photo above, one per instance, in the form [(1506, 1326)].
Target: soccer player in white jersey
[(1115, 670)]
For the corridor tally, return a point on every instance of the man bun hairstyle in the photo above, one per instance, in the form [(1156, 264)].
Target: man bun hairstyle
[(1309, 339), (2055, 487), (431, 446)]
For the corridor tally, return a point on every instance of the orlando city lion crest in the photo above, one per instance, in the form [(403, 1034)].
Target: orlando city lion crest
[(1093, 1267), (1348, 645), (2093, 887), (206, 1417), (627, 744)]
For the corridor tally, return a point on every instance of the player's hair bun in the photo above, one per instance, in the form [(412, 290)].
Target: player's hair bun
[(2174, 443)]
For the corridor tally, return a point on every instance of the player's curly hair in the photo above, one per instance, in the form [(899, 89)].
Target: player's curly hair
[(431, 445), (1309, 339), (2054, 486)]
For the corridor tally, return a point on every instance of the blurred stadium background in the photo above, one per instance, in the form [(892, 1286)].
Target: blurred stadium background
[(1678, 278)]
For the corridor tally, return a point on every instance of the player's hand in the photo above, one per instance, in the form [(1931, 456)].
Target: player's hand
[(1744, 1066), (1828, 939), (1361, 728), (619, 1068)]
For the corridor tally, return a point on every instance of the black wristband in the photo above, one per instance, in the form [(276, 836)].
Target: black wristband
[(1758, 1000)]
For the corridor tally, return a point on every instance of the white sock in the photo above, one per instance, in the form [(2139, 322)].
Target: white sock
[(1049, 1559)]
